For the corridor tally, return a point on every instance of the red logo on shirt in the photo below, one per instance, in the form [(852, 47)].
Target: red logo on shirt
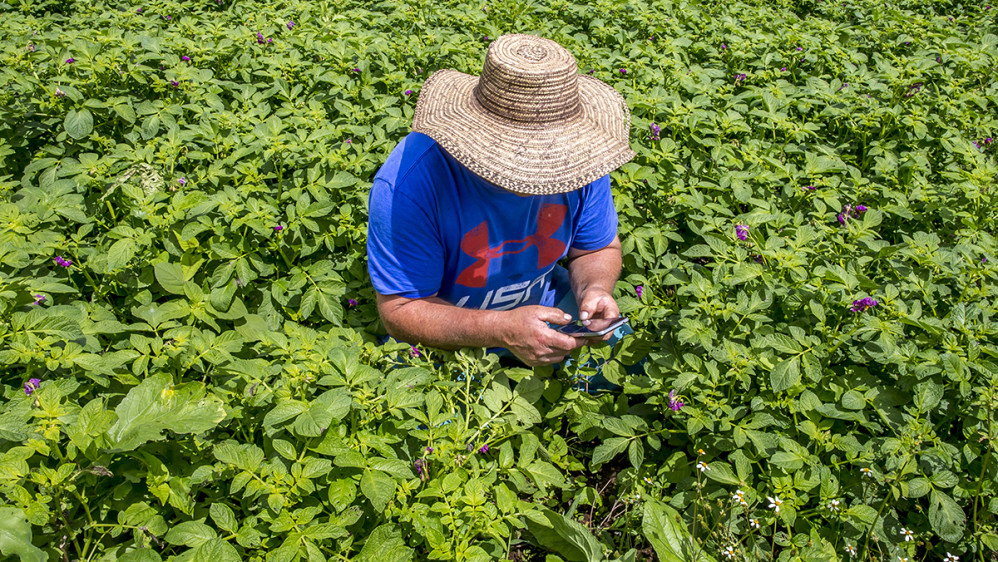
[(475, 243)]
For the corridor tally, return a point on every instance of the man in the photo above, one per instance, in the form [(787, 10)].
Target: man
[(504, 175)]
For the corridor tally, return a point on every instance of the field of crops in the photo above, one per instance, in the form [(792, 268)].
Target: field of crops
[(191, 357)]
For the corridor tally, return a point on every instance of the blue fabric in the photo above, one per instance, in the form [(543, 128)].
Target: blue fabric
[(436, 228)]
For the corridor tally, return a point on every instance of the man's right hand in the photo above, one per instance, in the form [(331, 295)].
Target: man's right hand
[(526, 333)]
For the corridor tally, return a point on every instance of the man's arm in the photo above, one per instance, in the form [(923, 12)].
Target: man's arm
[(593, 275), (435, 322)]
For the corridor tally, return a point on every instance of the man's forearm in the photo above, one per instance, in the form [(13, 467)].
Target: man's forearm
[(435, 322), (596, 270)]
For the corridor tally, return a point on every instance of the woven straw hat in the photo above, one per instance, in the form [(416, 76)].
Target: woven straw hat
[(531, 123)]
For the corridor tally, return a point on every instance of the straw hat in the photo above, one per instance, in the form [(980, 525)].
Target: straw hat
[(531, 123)]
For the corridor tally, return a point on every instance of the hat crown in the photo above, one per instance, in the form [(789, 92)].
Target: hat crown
[(529, 79)]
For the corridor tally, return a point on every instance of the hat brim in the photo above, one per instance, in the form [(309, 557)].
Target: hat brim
[(525, 157)]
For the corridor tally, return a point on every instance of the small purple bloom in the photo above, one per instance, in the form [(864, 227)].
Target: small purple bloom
[(800, 48), (860, 208), (784, 69), (355, 69), (63, 263), (842, 218), (291, 25), (70, 60), (278, 228), (757, 258), (408, 92), (591, 70), (168, 18), (429, 449), (348, 141), (420, 467), (810, 188), (270, 40), (59, 93), (863, 304), (139, 11), (483, 449), (182, 181), (741, 231), (185, 58), (623, 71), (739, 77), (723, 46), (175, 84), (639, 290), (39, 299), (984, 259), (31, 47), (351, 303), (259, 38), (413, 352), (674, 404), (32, 385), (655, 132)]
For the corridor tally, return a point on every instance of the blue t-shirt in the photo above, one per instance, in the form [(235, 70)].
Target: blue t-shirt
[(437, 229)]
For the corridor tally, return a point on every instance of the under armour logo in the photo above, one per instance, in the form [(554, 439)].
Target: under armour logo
[(476, 244)]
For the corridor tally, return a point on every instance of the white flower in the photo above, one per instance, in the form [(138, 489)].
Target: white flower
[(833, 506), (647, 480), (729, 551), (739, 497), (775, 503), (702, 466), (866, 472), (907, 534), (851, 550), (754, 523), (903, 559), (952, 558)]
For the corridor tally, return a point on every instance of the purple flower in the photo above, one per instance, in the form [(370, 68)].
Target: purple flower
[(63, 263), (723, 46), (408, 92), (70, 60), (348, 141), (784, 69), (355, 69), (139, 11), (638, 290), (185, 58), (259, 38), (741, 231), (483, 449), (168, 18), (810, 188), (420, 467), (31, 47), (32, 385), (182, 181), (278, 228), (291, 25), (860, 208), (800, 48), (984, 259), (351, 303), (591, 70), (623, 71), (270, 40), (175, 84), (674, 404), (429, 449), (739, 77), (989, 140), (842, 218), (413, 352), (655, 131), (39, 299), (59, 93), (863, 304), (757, 258)]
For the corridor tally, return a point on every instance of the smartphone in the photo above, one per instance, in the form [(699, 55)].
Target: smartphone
[(596, 327)]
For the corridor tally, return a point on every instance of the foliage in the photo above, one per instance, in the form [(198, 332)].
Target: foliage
[(199, 375)]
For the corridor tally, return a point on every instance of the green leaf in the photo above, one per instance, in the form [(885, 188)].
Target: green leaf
[(79, 124), (947, 518), (785, 374), (190, 533), (385, 544), (570, 539), (378, 487), (216, 550), (156, 405), (608, 449), (15, 536), (170, 276), (663, 527), (721, 472), (224, 517)]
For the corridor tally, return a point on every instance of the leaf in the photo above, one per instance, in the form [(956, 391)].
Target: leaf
[(15, 536), (120, 253), (79, 124), (608, 449), (721, 472), (785, 374), (216, 550), (170, 276), (947, 518), (156, 405), (570, 539), (190, 533), (385, 544), (664, 529), (378, 487), (224, 517)]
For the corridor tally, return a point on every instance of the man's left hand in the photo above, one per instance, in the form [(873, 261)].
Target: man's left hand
[(597, 303)]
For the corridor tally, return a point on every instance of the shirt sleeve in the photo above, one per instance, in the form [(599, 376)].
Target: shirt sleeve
[(597, 223), (404, 252)]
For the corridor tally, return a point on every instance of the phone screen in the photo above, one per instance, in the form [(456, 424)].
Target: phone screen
[(596, 327)]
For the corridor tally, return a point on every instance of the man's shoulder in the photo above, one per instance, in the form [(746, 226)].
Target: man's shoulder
[(415, 152)]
